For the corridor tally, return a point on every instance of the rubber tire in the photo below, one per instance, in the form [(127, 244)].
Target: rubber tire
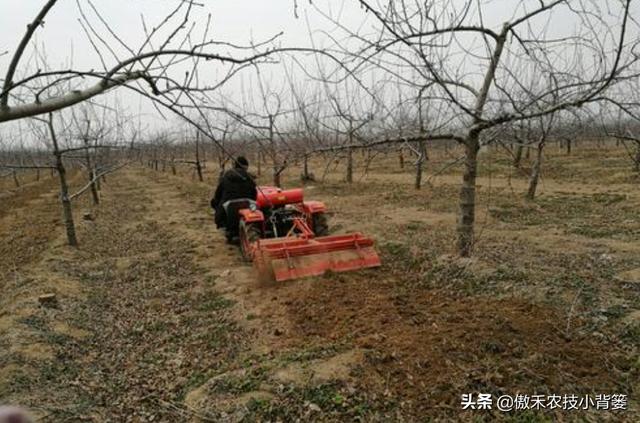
[(249, 233), (320, 224)]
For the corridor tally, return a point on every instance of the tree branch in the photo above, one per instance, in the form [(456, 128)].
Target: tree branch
[(31, 28)]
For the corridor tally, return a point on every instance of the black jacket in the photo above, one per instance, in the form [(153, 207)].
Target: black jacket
[(235, 183)]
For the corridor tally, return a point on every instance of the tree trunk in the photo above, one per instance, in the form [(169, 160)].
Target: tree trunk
[(92, 174), (350, 155), (568, 146), (277, 170), (276, 176), (198, 164), (420, 164), (199, 170), (94, 188), (67, 212), (517, 159), (466, 214), (418, 183), (349, 166), (401, 158), (535, 173), (305, 168), (221, 163), (15, 178), (274, 152)]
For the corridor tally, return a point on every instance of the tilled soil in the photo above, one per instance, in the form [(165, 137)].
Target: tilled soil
[(158, 320)]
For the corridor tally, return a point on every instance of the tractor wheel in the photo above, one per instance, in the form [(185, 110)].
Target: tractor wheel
[(249, 233), (320, 224)]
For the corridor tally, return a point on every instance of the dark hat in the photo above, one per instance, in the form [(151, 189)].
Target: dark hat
[(241, 161)]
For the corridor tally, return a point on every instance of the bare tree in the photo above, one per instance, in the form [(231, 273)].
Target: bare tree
[(544, 127), (70, 142), (429, 40), (39, 92), (65, 199), (623, 124)]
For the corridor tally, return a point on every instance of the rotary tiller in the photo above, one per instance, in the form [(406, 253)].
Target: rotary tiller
[(288, 238)]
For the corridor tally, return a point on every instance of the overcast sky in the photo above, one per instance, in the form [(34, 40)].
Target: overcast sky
[(236, 21), (63, 38)]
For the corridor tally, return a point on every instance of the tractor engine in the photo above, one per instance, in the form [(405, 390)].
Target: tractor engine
[(271, 197), (279, 221), (279, 210)]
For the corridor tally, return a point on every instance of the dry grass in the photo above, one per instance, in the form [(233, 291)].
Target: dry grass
[(159, 320)]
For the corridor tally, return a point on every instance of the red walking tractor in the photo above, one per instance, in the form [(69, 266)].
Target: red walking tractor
[(288, 238)]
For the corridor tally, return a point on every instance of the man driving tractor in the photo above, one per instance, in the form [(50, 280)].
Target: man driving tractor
[(236, 183), (283, 235)]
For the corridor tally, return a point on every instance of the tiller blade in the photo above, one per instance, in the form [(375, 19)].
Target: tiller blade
[(292, 258)]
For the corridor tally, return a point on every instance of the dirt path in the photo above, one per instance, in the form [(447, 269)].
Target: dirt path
[(183, 207), (154, 312)]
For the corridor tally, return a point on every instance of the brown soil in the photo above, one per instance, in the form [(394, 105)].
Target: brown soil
[(159, 320), (428, 347)]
